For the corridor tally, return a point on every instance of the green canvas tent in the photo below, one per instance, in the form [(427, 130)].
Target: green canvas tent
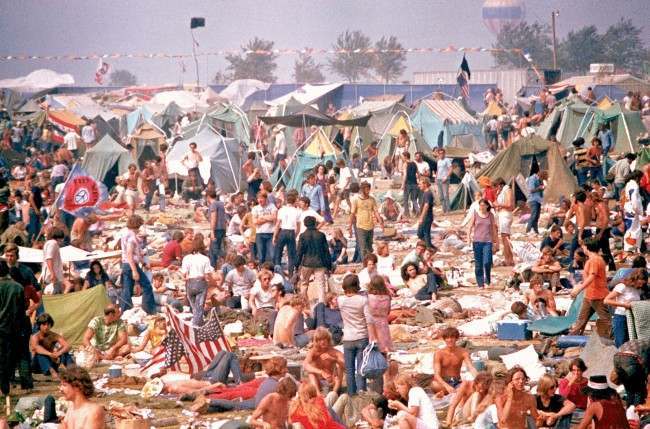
[(107, 160), (464, 195), (566, 122), (228, 119), (521, 157), (626, 126)]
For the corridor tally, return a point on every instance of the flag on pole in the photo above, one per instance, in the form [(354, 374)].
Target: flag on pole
[(102, 70), (82, 194), (197, 22), (198, 345), (464, 75)]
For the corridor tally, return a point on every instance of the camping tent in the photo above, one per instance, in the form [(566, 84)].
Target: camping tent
[(446, 123), (625, 125), (521, 157), (106, 160), (464, 195), (225, 117), (317, 149), (221, 158), (166, 118), (146, 142)]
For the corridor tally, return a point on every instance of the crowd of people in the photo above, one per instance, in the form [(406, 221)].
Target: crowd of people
[(271, 251)]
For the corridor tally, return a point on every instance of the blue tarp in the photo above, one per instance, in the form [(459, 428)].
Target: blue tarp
[(430, 126)]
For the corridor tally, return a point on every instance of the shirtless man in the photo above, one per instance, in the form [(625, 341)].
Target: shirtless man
[(286, 321), (77, 388), (447, 364), (131, 194), (273, 411), (582, 212), (473, 397), (537, 293), (548, 268), (601, 212), (323, 362), (515, 403)]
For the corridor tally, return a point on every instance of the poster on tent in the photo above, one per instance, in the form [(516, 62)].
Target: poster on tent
[(81, 194)]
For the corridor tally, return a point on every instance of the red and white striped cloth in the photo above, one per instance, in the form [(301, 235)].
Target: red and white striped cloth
[(199, 345)]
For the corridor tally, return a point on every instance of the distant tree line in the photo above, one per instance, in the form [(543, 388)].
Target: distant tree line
[(620, 44)]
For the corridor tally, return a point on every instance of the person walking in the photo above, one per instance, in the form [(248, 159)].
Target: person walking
[(410, 185), (196, 268), (12, 311), (264, 217), (218, 222), (284, 235), (133, 276), (354, 312), (483, 236), (313, 258), (425, 220), (535, 184), (595, 286), (443, 169), (363, 216), (505, 204)]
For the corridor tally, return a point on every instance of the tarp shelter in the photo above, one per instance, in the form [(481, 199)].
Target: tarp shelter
[(221, 159), (29, 255), (520, 158), (565, 121), (464, 195), (166, 119), (626, 126), (107, 160), (317, 149), (445, 123), (146, 143), (228, 119), (493, 109), (307, 116), (73, 311), (134, 119), (186, 100), (104, 127), (309, 94)]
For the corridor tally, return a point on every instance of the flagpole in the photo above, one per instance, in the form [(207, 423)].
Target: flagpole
[(196, 61)]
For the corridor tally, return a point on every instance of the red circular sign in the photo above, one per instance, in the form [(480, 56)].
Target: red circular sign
[(81, 191)]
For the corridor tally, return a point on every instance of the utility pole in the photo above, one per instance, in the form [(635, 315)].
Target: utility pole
[(554, 15)]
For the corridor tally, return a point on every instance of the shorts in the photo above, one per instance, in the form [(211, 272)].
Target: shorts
[(505, 221), (453, 381), (131, 197)]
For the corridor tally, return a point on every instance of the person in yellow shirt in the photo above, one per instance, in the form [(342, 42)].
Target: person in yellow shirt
[(363, 216)]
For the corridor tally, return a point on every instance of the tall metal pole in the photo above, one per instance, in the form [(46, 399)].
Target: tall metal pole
[(554, 14), (196, 61)]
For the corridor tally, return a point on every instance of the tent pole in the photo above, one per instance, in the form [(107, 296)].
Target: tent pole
[(627, 131), (582, 121), (292, 160), (232, 170)]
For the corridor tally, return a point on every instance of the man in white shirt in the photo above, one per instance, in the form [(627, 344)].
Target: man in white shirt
[(88, 134), (284, 234), (492, 128), (191, 161), (305, 211), (52, 268), (239, 282), (71, 141), (262, 300), (443, 167), (264, 218), (196, 267)]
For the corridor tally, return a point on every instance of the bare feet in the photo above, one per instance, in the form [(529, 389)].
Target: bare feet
[(200, 404)]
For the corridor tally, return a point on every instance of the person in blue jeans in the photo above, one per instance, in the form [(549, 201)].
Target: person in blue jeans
[(535, 185), (627, 291), (218, 223), (425, 219), (264, 216), (133, 276), (50, 349), (410, 184), (354, 312), (484, 238)]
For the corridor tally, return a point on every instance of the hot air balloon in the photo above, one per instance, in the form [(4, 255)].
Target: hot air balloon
[(498, 13)]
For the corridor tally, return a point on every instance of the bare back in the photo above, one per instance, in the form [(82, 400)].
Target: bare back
[(87, 416), (285, 324)]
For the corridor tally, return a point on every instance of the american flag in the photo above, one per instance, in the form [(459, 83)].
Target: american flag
[(463, 78), (102, 69), (198, 345)]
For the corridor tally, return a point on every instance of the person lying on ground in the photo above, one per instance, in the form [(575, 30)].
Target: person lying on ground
[(540, 300), (77, 388), (287, 330), (50, 349), (323, 363), (106, 335), (273, 411), (448, 362), (472, 397)]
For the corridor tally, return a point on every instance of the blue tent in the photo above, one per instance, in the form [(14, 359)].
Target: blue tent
[(445, 123)]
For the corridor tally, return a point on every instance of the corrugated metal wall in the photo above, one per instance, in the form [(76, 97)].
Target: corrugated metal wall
[(510, 81)]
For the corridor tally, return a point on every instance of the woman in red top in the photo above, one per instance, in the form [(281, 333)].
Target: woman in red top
[(489, 192), (310, 411), (605, 408), (571, 386)]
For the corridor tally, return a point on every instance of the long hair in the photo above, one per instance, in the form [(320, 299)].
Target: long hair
[(304, 405)]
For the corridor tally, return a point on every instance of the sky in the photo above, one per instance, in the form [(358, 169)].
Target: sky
[(57, 27)]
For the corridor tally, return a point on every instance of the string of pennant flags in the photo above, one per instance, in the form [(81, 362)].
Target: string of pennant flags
[(310, 51)]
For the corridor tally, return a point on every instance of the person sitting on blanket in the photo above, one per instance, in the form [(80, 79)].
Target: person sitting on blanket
[(50, 349), (448, 362), (106, 335)]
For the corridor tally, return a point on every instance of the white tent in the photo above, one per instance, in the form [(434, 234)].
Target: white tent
[(238, 91), (186, 100), (38, 80), (307, 94)]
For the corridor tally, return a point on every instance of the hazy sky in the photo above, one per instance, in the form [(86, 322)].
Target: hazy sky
[(50, 27)]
